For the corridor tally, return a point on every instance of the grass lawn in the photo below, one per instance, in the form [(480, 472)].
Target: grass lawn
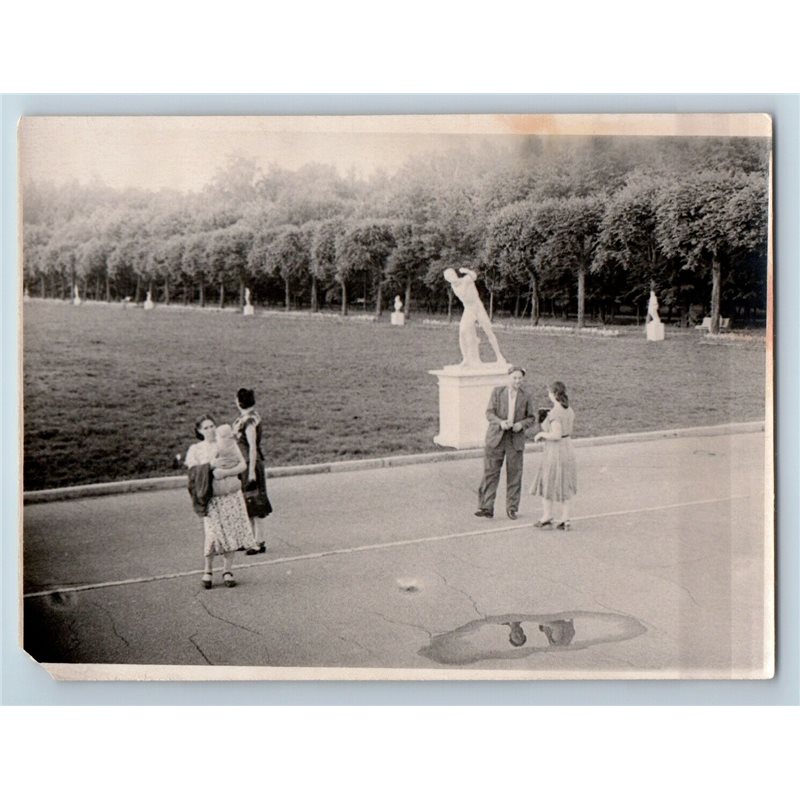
[(112, 393)]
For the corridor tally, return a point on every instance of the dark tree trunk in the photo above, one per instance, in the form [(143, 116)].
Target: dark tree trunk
[(314, 301), (108, 289), (138, 292), (222, 294), (449, 304), (344, 299), (241, 291), (166, 290), (97, 288), (534, 301), (287, 297), (202, 293), (407, 303), (491, 305), (581, 294), (716, 272), (43, 286), (379, 300)]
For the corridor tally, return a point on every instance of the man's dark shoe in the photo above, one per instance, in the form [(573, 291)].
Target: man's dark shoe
[(511, 513), (482, 512)]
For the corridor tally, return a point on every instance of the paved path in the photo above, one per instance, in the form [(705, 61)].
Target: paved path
[(388, 568)]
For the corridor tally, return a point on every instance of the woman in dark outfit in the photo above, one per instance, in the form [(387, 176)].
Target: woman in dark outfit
[(247, 429)]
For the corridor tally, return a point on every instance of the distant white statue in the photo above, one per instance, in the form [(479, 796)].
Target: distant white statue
[(248, 308), (474, 314), (652, 309), (148, 303), (247, 296), (654, 327), (27, 295), (398, 315), (76, 296)]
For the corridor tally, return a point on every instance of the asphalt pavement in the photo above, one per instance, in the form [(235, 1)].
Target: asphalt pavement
[(387, 573)]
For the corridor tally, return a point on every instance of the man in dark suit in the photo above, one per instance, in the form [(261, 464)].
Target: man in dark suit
[(510, 413)]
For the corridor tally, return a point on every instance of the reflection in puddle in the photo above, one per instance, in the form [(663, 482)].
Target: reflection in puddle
[(520, 635)]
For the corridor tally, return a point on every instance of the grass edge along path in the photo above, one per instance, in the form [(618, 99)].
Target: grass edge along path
[(179, 481)]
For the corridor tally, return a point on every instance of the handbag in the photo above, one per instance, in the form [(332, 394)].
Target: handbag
[(258, 504)]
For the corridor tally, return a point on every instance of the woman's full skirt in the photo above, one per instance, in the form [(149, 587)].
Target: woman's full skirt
[(557, 477), (227, 526)]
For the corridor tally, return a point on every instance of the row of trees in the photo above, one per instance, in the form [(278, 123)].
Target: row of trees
[(565, 225)]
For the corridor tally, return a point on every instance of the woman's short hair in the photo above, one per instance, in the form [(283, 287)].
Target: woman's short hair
[(246, 398), (560, 393), (199, 421)]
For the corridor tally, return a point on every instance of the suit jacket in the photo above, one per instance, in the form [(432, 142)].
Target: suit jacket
[(497, 412)]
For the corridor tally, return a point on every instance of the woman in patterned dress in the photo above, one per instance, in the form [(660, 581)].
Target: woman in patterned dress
[(557, 478), (225, 524), (247, 430)]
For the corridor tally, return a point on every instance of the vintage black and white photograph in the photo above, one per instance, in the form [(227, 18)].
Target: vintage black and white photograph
[(400, 397)]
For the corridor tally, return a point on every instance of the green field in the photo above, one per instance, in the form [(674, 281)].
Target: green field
[(112, 393)]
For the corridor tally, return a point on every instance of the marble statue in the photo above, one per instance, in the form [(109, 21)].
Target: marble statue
[(654, 327), (248, 308), (148, 303), (474, 314), (398, 315), (652, 309), (76, 298)]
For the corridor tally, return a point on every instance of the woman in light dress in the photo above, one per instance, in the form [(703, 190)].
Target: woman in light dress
[(557, 478), (225, 525)]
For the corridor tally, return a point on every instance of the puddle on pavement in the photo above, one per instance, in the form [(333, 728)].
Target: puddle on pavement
[(513, 636)]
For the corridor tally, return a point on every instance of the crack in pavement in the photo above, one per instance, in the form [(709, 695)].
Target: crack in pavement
[(621, 661), (223, 619), (111, 619), (199, 650), (345, 638), (398, 622), (462, 592), (288, 544), (675, 583)]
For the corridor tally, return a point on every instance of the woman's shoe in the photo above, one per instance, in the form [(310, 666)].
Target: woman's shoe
[(543, 523), (259, 548), (207, 582), (564, 526), (227, 578)]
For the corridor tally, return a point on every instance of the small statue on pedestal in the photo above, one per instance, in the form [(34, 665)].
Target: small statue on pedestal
[(248, 308), (398, 315)]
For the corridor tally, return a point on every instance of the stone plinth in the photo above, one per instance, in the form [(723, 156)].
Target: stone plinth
[(655, 331), (463, 396), (149, 305), (248, 311), (398, 318)]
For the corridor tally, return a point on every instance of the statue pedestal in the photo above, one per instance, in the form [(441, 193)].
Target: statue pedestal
[(655, 331), (149, 305), (398, 317), (463, 396), (76, 301), (248, 311)]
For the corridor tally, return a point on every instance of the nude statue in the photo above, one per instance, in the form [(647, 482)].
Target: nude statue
[(652, 309), (474, 314)]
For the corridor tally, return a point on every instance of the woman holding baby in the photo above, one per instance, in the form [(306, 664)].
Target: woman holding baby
[(215, 463)]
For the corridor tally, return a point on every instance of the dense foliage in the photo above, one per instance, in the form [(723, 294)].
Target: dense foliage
[(558, 225)]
